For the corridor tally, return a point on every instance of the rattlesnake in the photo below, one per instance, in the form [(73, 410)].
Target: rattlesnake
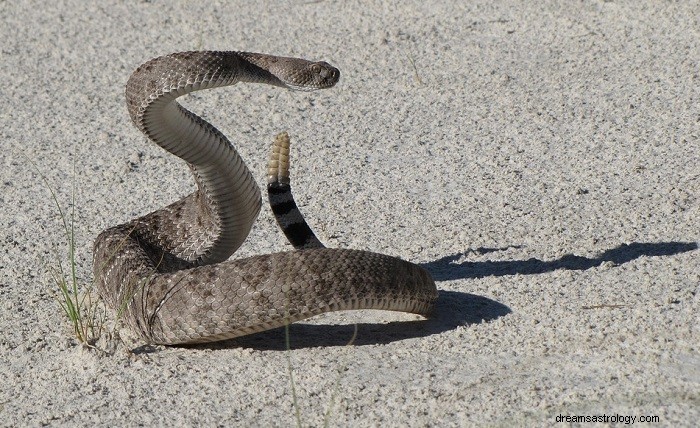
[(167, 274)]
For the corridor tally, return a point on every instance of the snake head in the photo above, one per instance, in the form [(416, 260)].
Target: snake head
[(292, 73), (312, 76)]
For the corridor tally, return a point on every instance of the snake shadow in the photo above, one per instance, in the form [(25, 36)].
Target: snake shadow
[(446, 268), (453, 308)]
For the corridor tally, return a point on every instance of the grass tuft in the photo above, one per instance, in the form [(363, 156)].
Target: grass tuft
[(84, 311)]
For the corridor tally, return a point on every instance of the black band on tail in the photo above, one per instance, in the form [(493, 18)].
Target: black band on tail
[(289, 218)]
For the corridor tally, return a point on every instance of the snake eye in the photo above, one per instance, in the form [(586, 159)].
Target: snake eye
[(316, 68)]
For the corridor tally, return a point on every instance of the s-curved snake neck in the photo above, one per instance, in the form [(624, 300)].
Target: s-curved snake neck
[(167, 273)]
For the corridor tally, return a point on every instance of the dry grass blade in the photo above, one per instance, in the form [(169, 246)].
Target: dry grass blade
[(336, 385), (415, 69), (290, 370)]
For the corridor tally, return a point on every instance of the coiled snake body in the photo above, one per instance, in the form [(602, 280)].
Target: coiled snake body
[(167, 274)]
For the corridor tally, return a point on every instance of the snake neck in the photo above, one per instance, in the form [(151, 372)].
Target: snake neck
[(212, 223)]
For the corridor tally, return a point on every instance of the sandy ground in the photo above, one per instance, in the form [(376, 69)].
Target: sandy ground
[(540, 159)]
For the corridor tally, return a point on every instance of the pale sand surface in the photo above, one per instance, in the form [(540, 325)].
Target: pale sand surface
[(540, 159)]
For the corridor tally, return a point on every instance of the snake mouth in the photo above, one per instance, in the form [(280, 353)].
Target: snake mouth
[(302, 88)]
